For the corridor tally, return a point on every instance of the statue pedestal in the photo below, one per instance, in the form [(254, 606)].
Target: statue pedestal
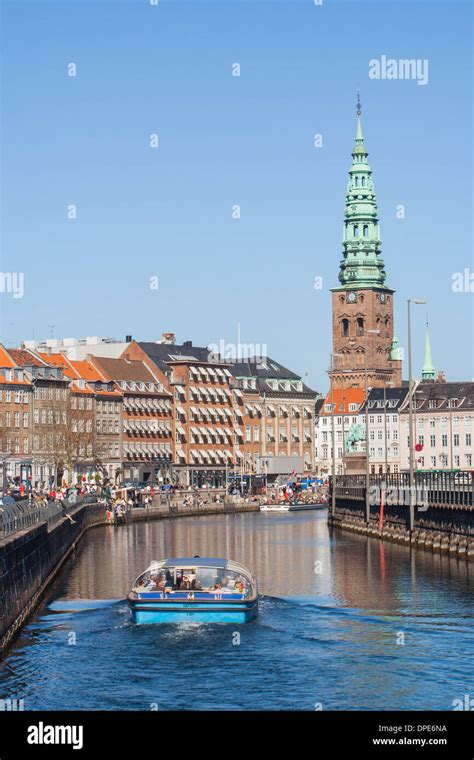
[(354, 463)]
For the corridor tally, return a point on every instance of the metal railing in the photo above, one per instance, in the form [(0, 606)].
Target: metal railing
[(438, 488), (24, 514)]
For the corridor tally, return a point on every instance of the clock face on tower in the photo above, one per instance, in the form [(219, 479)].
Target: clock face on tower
[(382, 298), (351, 297)]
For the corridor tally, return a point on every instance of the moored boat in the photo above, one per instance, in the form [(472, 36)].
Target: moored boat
[(274, 508), (196, 589), (302, 506)]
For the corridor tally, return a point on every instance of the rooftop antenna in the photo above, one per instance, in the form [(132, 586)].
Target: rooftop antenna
[(51, 330)]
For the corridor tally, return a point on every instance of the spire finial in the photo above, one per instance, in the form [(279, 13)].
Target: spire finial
[(359, 111)]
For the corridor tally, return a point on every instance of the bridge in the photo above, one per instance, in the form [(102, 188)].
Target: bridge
[(435, 511)]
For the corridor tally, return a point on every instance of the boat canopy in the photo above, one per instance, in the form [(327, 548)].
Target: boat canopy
[(203, 563)]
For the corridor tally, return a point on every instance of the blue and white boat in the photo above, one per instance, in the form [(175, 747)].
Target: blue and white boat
[(196, 589)]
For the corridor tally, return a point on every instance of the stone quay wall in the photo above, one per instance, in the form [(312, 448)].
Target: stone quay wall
[(448, 529)]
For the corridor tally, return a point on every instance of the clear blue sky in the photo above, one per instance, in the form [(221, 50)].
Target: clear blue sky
[(226, 140)]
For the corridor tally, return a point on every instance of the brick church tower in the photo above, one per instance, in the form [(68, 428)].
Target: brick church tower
[(362, 306)]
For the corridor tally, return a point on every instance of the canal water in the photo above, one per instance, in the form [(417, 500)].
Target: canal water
[(345, 623)]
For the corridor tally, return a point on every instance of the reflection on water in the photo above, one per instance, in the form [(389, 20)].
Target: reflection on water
[(344, 621)]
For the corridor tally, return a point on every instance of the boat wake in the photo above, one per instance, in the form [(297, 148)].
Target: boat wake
[(81, 605)]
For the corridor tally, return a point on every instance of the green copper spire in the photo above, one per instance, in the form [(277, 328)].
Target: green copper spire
[(362, 265), (428, 371)]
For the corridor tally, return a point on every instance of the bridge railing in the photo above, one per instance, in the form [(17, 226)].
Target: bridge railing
[(26, 513), (438, 488)]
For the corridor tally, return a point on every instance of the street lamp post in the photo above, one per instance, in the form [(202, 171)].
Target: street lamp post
[(333, 434), (367, 467), (410, 413), (391, 384)]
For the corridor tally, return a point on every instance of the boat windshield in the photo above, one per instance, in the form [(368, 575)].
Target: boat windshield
[(210, 579)]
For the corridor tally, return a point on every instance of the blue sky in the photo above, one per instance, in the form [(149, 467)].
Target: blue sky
[(225, 140)]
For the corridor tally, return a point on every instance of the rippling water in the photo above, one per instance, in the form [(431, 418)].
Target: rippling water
[(345, 622)]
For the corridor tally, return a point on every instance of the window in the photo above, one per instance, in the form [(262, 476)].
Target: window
[(455, 421), (433, 461), (457, 460), (444, 440), (247, 433), (433, 422), (345, 328), (468, 439), (456, 439), (468, 460), (8, 396), (432, 441), (431, 404), (356, 230), (359, 326), (444, 422), (25, 419), (366, 230)]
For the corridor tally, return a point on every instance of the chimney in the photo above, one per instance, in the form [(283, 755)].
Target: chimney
[(128, 339), (168, 337), (187, 344), (441, 377)]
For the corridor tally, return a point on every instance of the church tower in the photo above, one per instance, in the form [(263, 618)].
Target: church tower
[(362, 306)]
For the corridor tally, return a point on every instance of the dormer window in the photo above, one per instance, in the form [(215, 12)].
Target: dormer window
[(452, 403)]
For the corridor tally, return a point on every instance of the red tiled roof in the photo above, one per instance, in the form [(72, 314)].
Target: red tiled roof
[(5, 359), (342, 397), (25, 358)]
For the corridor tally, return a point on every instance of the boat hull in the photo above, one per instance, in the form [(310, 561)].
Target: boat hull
[(164, 611), (305, 507)]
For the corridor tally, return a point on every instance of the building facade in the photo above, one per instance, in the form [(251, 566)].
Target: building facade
[(443, 422), (275, 411), (146, 424)]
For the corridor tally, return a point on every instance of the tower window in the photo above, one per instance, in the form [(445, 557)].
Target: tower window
[(345, 328), (356, 230), (357, 182), (366, 230), (363, 181), (360, 326)]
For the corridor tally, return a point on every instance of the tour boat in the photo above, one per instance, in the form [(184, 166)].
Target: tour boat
[(196, 589)]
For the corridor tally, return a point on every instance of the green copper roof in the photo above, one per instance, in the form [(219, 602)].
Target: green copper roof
[(362, 264), (428, 371)]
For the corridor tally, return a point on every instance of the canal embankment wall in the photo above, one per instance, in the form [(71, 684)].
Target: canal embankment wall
[(31, 558), (448, 529)]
